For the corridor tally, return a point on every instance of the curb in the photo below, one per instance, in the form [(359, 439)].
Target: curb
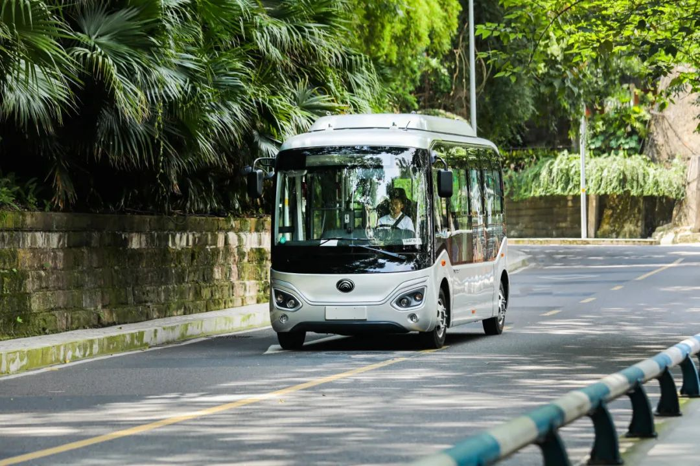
[(582, 242), (36, 352), (519, 264)]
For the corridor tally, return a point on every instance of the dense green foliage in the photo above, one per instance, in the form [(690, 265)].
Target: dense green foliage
[(156, 104), (539, 62), (404, 38), (18, 195), (621, 129), (614, 174)]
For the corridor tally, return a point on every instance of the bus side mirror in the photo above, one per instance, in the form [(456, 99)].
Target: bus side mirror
[(444, 183), (255, 184)]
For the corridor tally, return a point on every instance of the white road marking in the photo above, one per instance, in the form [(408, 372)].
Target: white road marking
[(620, 266), (568, 277)]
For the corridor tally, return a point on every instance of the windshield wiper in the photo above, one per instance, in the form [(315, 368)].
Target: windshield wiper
[(388, 253), (325, 240)]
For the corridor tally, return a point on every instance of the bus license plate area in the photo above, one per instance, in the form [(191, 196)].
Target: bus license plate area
[(346, 312)]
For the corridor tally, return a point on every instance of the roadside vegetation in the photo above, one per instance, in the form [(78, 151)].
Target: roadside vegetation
[(156, 105)]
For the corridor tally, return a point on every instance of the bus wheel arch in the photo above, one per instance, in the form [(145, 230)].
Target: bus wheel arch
[(505, 279), (445, 287)]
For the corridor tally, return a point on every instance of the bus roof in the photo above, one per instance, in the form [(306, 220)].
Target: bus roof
[(398, 130)]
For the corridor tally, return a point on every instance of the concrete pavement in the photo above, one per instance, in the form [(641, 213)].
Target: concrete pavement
[(677, 443)]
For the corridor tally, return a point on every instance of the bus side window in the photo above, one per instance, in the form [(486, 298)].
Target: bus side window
[(475, 195), (493, 194), (440, 209)]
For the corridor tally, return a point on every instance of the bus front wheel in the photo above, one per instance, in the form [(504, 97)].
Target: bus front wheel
[(436, 338), (291, 340)]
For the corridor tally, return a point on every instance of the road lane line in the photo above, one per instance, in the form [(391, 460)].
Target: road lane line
[(187, 417), (617, 266), (551, 313), (588, 300), (647, 275), (618, 287)]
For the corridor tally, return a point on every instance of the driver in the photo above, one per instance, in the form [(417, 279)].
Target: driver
[(396, 217)]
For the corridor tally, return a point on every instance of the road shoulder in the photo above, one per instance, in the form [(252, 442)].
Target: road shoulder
[(24, 354), (676, 443)]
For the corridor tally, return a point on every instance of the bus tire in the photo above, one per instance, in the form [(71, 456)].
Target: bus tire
[(494, 325), (436, 338), (291, 340)]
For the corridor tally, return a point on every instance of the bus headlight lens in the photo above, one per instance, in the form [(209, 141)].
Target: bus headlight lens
[(411, 299), (286, 301)]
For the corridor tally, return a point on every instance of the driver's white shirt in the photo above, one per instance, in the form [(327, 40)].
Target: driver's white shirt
[(405, 224)]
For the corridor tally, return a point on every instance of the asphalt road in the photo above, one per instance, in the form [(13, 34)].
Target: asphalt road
[(578, 314)]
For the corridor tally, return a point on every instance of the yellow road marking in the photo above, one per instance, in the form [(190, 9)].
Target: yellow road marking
[(434, 350), (618, 287), (551, 313), (187, 417), (646, 275), (587, 300)]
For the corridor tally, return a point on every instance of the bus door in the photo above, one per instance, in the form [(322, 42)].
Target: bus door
[(483, 269), (495, 222)]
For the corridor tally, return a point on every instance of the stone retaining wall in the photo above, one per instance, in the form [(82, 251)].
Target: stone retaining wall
[(608, 216), (62, 272), (544, 217)]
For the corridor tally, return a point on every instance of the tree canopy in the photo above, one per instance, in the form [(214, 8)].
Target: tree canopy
[(404, 38), (158, 103), (155, 105)]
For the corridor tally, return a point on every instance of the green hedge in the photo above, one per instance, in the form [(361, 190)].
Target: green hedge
[(634, 175)]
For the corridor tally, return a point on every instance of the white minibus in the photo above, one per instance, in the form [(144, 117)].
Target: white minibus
[(386, 224)]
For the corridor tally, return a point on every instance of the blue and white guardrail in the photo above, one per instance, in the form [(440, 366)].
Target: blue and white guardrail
[(541, 425)]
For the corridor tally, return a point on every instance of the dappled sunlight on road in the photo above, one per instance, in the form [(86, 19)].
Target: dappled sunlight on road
[(392, 414)]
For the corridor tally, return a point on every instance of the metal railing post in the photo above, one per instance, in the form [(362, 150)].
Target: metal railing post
[(691, 383), (553, 450), (642, 423), (668, 403), (606, 446)]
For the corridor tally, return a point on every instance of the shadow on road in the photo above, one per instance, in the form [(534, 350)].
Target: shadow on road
[(409, 342)]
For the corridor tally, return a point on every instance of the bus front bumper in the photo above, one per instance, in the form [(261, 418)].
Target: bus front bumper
[(314, 319)]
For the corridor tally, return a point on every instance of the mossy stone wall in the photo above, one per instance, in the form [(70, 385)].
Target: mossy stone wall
[(544, 217), (63, 272), (560, 216)]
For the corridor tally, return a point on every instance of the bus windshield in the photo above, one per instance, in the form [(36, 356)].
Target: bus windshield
[(369, 198)]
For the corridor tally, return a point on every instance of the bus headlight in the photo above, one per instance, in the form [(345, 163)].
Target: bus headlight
[(286, 301), (411, 299)]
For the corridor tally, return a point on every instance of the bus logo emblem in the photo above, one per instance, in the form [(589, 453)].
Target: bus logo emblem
[(345, 285)]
